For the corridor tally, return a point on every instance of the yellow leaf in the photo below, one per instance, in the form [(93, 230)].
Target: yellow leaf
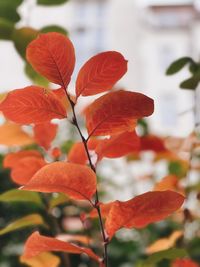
[(11, 134), (164, 243), (27, 221), (45, 259)]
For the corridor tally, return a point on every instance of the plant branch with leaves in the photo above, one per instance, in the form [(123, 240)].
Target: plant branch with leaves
[(113, 114)]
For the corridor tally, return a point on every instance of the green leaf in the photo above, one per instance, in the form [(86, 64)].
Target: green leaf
[(13, 3), (169, 254), (193, 67), (27, 221), (190, 84), (6, 29), (15, 195), (177, 168), (177, 65), (57, 199), (22, 37), (9, 13), (35, 77), (51, 2), (53, 28)]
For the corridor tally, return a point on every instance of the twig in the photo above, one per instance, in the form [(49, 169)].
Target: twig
[(96, 204)]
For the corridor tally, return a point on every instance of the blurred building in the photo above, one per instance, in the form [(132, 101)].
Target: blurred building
[(150, 34), (152, 37)]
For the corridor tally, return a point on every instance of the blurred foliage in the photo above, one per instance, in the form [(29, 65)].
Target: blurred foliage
[(22, 36), (192, 82)]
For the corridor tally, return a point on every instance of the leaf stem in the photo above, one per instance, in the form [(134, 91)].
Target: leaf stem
[(96, 205)]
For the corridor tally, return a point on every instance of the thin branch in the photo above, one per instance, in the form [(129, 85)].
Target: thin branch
[(96, 205)]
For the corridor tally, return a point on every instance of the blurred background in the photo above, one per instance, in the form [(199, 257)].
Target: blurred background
[(149, 33)]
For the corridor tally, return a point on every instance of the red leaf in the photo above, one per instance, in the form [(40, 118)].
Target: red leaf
[(184, 263), (142, 210), (32, 104), (118, 145), (117, 112), (77, 181), (37, 244), (152, 142), (12, 159), (100, 73), (52, 55), (26, 167), (77, 153), (45, 133)]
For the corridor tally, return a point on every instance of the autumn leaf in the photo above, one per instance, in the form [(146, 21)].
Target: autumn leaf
[(12, 159), (100, 73), (37, 244), (164, 243), (117, 112), (52, 55), (77, 153), (77, 181), (142, 210), (153, 143), (169, 182), (184, 263), (41, 260), (118, 145), (12, 134), (44, 134), (32, 104), (25, 169)]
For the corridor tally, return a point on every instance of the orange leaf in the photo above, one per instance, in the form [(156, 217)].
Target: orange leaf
[(164, 243), (117, 112), (52, 55), (12, 159), (77, 153), (32, 104), (12, 134), (41, 260), (45, 133), (26, 167), (169, 182), (142, 210), (184, 263), (37, 244), (100, 73), (118, 145), (77, 181)]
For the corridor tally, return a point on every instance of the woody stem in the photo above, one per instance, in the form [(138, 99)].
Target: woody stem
[(96, 205)]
